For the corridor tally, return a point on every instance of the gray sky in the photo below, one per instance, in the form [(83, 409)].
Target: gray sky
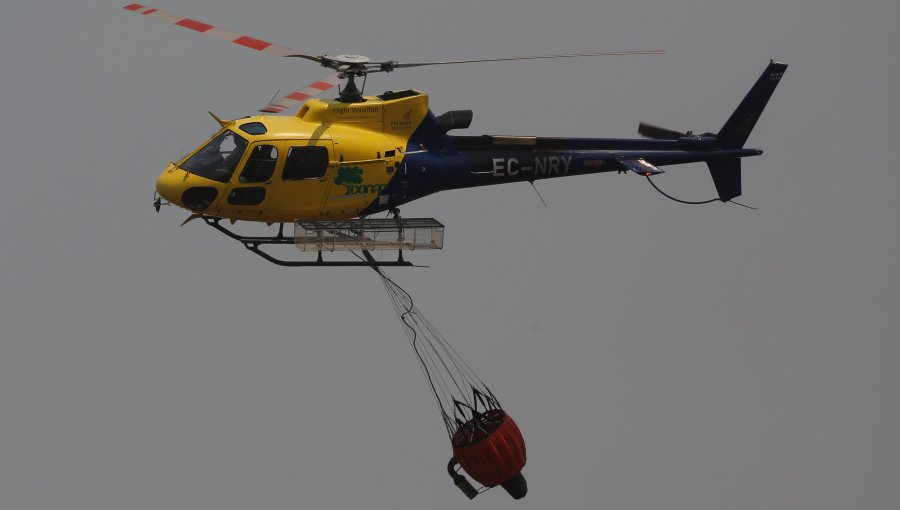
[(656, 356)]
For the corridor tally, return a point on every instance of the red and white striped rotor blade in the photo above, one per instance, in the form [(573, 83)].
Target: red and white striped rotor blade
[(300, 95), (220, 33)]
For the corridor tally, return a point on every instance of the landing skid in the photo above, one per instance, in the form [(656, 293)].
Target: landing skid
[(352, 235)]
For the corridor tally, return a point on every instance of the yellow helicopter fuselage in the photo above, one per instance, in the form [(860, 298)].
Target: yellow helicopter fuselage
[(330, 161)]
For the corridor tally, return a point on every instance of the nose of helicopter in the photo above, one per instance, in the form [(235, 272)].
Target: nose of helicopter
[(184, 190), (169, 186)]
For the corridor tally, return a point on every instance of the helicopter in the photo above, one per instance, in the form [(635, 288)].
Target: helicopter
[(336, 162)]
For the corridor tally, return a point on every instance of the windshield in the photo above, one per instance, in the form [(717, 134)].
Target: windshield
[(218, 158)]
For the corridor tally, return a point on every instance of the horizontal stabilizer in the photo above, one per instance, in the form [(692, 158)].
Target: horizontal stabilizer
[(659, 133), (641, 167)]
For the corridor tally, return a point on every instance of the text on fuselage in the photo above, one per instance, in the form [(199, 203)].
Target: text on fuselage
[(540, 165)]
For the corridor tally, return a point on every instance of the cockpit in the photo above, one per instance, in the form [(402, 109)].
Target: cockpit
[(239, 173), (218, 159)]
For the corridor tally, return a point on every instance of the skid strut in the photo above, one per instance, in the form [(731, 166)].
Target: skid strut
[(352, 235)]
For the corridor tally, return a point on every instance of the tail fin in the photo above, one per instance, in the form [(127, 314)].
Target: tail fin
[(726, 173), (735, 132)]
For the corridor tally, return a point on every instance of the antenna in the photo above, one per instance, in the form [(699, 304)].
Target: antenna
[(221, 122), (275, 95), (538, 192)]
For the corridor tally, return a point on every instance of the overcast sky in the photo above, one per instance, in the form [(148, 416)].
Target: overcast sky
[(656, 355)]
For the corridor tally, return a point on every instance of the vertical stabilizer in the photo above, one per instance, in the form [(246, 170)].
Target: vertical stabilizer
[(726, 174), (735, 132)]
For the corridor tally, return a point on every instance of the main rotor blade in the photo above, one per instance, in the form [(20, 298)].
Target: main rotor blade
[(398, 65), (220, 33), (659, 133), (300, 95)]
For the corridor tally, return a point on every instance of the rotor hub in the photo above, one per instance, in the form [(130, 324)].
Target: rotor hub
[(350, 59)]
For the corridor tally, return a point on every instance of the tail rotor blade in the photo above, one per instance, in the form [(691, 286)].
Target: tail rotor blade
[(659, 133)]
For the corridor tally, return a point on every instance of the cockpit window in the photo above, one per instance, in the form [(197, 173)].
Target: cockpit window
[(218, 158)]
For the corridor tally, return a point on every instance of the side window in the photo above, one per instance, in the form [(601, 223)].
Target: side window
[(260, 165), (305, 162), (251, 195)]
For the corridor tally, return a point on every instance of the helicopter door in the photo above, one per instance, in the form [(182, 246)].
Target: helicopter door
[(356, 185), (251, 185), (301, 186)]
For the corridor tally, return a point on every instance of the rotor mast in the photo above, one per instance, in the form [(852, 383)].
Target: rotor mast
[(349, 93)]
